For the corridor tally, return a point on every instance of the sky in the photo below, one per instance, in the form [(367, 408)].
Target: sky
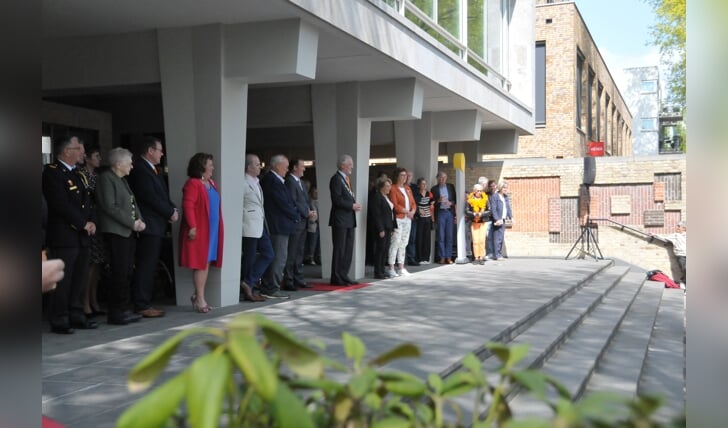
[(621, 31)]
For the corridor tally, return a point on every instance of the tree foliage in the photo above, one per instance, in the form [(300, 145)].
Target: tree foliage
[(668, 34)]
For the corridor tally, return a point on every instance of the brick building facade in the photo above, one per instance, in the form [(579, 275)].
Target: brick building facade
[(577, 100)]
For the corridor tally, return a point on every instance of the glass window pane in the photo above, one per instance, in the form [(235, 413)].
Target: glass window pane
[(540, 83), (476, 27), (494, 34), (649, 86), (425, 6), (649, 124), (448, 16)]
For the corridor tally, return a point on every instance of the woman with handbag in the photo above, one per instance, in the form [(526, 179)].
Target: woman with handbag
[(478, 215)]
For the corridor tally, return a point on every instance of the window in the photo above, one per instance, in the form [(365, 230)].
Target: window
[(589, 90), (600, 91), (540, 83), (648, 86), (579, 101), (648, 124)]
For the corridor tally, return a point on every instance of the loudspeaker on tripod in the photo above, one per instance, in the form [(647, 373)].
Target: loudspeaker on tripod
[(590, 170)]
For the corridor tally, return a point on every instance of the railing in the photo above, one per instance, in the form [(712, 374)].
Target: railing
[(460, 49), (640, 232)]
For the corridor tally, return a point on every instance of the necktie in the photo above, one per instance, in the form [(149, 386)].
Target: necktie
[(348, 182), (156, 171)]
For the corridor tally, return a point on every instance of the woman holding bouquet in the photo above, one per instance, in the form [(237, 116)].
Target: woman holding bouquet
[(476, 212)]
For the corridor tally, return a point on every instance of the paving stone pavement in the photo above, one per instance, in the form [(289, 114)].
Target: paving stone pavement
[(446, 310)]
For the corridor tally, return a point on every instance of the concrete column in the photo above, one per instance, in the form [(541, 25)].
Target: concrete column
[(205, 112), (339, 130)]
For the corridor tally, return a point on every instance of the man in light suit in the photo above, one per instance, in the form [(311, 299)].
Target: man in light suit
[(293, 279), (342, 221), (151, 193), (257, 248), (282, 219)]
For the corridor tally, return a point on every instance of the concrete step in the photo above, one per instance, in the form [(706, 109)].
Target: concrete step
[(552, 328), (664, 369), (620, 369), (575, 361)]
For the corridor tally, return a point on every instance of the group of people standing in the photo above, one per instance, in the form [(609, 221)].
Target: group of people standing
[(402, 215), (119, 216)]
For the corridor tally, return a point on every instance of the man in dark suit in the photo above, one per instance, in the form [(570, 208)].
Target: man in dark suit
[(71, 222), (443, 194), (293, 279), (282, 219), (342, 220), (152, 196)]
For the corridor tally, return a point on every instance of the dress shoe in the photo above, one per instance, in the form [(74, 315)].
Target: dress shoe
[(448, 261), (61, 329), (289, 288), (303, 285), (413, 263), (123, 318), (338, 283), (381, 276), (442, 261), (350, 282), (83, 323), (150, 313)]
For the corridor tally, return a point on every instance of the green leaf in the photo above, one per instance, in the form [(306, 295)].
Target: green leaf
[(435, 382), (146, 371), (472, 363), (533, 380), (353, 347), (301, 359), (517, 353), (396, 375), (391, 422), (501, 351), (342, 408), (525, 423), (249, 356), (424, 413), (560, 389), (405, 350), (328, 386), (406, 388), (289, 410), (373, 401), (603, 406), (362, 383), (155, 408), (207, 379), (457, 384)]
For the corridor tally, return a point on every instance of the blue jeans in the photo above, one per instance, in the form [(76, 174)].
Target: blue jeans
[(498, 233), (411, 244), (444, 233), (489, 241), (257, 255)]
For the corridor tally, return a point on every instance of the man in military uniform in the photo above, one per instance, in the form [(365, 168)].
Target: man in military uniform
[(70, 224)]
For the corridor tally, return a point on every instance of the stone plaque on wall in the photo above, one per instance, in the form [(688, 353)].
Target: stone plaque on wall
[(621, 204), (654, 218)]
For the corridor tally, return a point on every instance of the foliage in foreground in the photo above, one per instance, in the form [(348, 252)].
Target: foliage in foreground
[(257, 374)]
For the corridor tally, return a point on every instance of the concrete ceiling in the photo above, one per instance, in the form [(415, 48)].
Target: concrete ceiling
[(340, 57)]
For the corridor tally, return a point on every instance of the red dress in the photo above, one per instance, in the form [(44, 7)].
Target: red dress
[(196, 213)]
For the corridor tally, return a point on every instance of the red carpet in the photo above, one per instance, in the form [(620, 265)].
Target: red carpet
[(322, 286)]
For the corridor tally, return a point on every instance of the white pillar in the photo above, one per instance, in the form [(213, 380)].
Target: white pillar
[(205, 112), (339, 130)]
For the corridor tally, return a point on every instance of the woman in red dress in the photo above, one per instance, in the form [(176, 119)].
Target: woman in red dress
[(201, 231)]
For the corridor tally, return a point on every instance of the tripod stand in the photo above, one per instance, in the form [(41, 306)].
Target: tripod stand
[(587, 239)]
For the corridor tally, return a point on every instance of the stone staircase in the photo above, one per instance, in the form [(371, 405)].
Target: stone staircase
[(613, 332)]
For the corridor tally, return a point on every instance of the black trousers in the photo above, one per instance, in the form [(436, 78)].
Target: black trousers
[(343, 248), (146, 259), (682, 261), (67, 299), (381, 251), (294, 261), (424, 242), (121, 256)]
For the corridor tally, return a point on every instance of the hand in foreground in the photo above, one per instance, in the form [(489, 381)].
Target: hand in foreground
[(356, 207), (192, 234), (52, 273)]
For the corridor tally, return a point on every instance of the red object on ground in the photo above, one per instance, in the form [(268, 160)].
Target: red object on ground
[(320, 286), (47, 422)]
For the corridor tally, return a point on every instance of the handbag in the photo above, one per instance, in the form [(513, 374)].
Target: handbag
[(508, 223)]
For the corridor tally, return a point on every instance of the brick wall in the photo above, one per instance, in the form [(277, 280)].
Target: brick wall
[(545, 195)]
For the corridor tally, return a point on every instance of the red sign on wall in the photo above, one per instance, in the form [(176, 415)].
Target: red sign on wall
[(596, 148)]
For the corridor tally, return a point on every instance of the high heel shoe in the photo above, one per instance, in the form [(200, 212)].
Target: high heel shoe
[(248, 294), (197, 308)]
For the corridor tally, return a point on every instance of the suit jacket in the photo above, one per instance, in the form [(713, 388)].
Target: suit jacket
[(397, 198), (69, 206), (152, 196), (196, 214), (253, 212), (280, 209), (497, 207), (115, 205), (342, 199), (436, 198), (381, 215), (300, 198)]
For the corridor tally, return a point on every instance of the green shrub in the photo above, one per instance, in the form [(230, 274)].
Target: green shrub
[(258, 374)]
